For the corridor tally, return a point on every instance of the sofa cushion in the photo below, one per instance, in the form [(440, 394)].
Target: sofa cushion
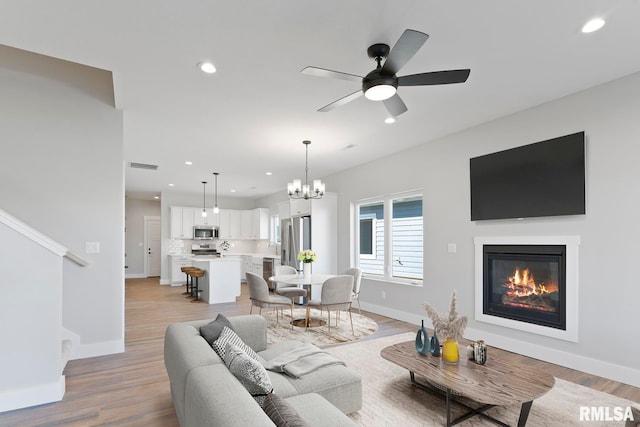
[(211, 331), (229, 337), (318, 412), (251, 374), (214, 397), (337, 383), (282, 413)]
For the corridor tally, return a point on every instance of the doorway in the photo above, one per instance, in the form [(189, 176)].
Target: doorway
[(152, 247)]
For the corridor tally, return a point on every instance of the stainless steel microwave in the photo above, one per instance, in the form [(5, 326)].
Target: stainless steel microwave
[(205, 232)]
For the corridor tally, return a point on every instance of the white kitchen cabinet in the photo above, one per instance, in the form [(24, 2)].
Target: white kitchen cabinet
[(246, 229), (245, 266), (299, 207), (182, 222), (229, 224), (283, 210), (256, 265), (260, 223), (177, 262)]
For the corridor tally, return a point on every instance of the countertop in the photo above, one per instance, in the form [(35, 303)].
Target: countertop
[(227, 255)]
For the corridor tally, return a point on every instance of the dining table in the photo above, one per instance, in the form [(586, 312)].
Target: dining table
[(306, 282)]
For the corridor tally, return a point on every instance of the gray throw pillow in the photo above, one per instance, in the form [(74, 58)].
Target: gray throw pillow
[(281, 413), (229, 337), (251, 374), (212, 330)]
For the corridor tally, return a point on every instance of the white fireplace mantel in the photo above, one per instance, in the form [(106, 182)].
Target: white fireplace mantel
[(571, 243)]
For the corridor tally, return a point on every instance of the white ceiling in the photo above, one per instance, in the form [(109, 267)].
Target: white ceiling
[(252, 115)]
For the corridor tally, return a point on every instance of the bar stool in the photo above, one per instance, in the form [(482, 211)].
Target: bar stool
[(196, 273), (187, 284)]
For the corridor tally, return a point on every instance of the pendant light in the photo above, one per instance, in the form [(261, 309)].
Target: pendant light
[(216, 209), (298, 191), (204, 195)]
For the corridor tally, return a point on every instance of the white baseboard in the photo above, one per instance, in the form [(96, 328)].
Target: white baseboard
[(589, 365), (98, 349), (135, 276), (32, 396), (165, 282)]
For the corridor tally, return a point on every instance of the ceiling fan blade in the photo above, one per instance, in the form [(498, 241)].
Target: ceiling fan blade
[(321, 72), (395, 105), (342, 101), (435, 78), (406, 46)]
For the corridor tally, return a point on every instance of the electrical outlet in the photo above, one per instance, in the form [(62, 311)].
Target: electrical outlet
[(451, 248), (92, 247)]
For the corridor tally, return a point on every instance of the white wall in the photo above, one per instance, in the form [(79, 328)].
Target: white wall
[(608, 287), (62, 172), (134, 213), (30, 323)]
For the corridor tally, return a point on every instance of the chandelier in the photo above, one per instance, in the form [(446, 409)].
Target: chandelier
[(298, 191)]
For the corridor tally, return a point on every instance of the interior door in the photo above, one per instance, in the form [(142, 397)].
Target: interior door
[(152, 247)]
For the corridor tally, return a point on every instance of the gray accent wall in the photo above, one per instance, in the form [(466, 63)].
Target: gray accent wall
[(609, 290)]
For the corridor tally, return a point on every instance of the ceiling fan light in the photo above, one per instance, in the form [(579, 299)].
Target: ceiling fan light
[(380, 92), (207, 67)]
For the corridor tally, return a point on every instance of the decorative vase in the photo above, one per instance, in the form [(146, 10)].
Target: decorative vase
[(480, 352), (422, 341), (450, 352), (306, 269), (435, 345)]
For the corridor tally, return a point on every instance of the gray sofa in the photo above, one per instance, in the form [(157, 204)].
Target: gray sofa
[(205, 393)]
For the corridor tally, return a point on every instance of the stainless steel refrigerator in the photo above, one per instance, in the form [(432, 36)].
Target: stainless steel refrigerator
[(296, 236)]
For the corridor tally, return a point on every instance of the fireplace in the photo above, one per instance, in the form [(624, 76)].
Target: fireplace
[(525, 283), (528, 283)]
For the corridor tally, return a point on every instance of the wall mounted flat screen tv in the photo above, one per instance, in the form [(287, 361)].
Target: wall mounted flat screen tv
[(542, 179)]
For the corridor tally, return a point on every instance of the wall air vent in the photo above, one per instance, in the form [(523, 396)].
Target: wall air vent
[(143, 166)]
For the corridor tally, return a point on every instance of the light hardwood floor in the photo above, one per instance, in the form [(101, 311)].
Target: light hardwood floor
[(132, 388)]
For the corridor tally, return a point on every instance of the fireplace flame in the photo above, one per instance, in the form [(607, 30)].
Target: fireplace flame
[(522, 284)]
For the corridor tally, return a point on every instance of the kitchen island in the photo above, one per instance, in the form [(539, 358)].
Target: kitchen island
[(221, 282)]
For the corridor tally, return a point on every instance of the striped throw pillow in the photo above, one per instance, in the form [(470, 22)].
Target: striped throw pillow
[(229, 337)]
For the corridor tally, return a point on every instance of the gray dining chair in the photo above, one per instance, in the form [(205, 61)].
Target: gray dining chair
[(357, 278), (292, 292), (335, 296), (260, 297)]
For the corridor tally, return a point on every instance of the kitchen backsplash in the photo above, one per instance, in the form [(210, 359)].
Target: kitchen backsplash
[(179, 246)]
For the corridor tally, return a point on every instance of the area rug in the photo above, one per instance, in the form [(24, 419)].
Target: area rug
[(389, 399), (281, 331)]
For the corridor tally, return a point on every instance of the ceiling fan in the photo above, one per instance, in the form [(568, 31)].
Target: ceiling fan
[(381, 84)]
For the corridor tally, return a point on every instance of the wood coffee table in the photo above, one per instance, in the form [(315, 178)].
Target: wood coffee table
[(496, 383)]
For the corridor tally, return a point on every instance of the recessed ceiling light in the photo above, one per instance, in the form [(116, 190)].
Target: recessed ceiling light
[(233, 191), (156, 197), (170, 185), (390, 120), (188, 163), (207, 67), (268, 173), (593, 25)]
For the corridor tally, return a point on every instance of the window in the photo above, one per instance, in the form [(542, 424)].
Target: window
[(396, 255), (275, 229)]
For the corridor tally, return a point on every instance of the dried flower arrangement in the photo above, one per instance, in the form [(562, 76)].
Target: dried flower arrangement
[(447, 325)]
